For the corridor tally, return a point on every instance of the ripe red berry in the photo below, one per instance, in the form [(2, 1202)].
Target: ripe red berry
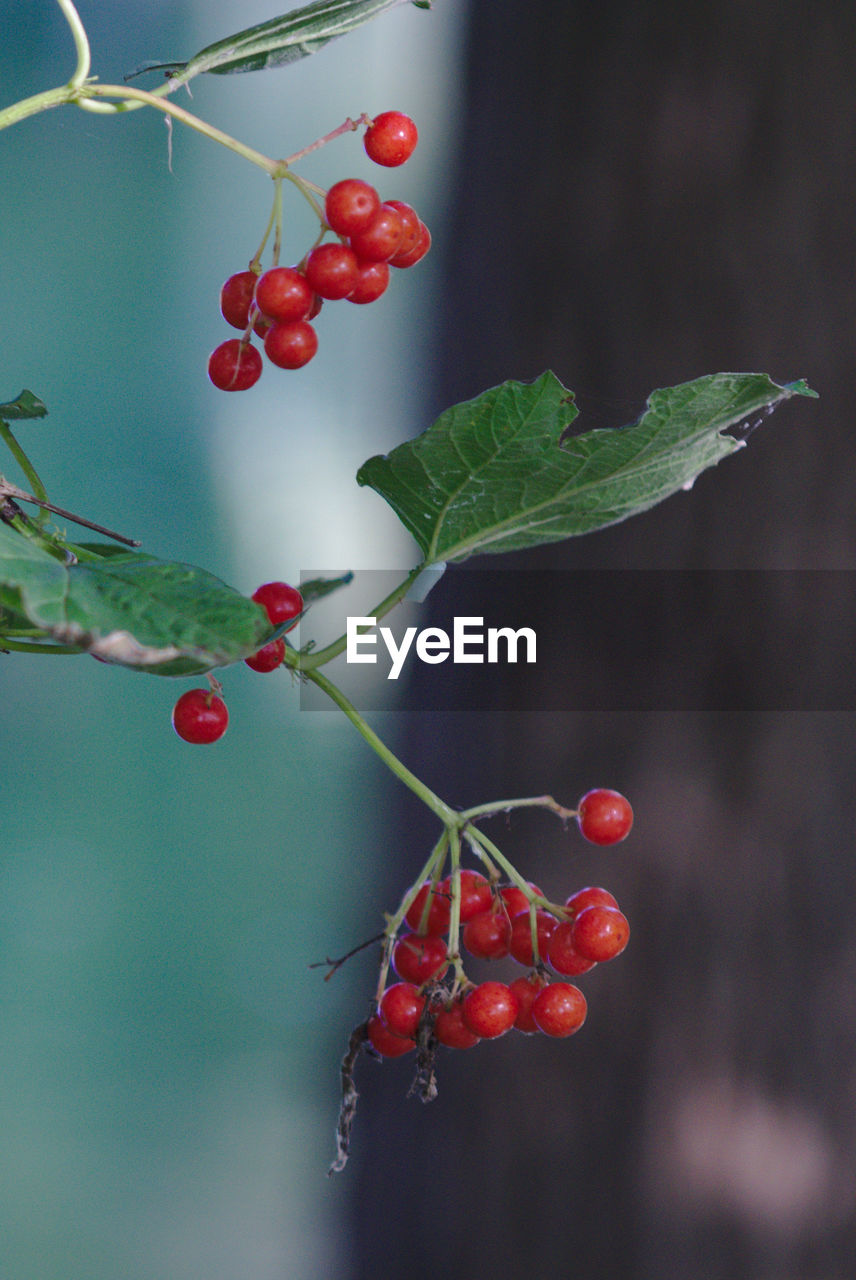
[(450, 1028), (350, 206), (562, 955), (381, 238), (234, 365), (401, 1007), (280, 602), (417, 958), (604, 817), (515, 899), (291, 344), (200, 716), (385, 1042), (560, 1009), (282, 293), (439, 911), (489, 1009), (591, 896), (332, 270), (236, 298), (600, 933), (372, 281), (268, 658), (526, 989), (487, 935), (520, 943), (390, 139), (410, 225), (476, 895), (417, 253)]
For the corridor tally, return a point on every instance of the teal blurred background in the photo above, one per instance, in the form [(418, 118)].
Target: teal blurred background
[(169, 1062)]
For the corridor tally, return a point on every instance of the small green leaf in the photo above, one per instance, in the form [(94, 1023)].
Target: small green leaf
[(25, 406), (284, 39), (318, 588), (499, 473)]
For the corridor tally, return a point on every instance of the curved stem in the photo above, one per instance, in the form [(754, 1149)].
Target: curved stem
[(310, 661), (530, 802), (81, 43)]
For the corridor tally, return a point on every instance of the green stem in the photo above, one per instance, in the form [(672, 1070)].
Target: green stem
[(39, 490), (530, 802), (23, 646), (308, 662), (432, 867), (81, 43), (447, 815)]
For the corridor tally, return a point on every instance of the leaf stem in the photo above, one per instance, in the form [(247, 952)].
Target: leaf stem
[(81, 43), (308, 662), (40, 493), (505, 806)]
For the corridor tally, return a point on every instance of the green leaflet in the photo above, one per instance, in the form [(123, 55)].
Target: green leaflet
[(494, 474)]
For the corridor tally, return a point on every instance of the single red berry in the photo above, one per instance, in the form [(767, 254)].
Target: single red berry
[(410, 224), (604, 817), (280, 602), (487, 935), (562, 955), (385, 1042), (560, 1009), (234, 365), (282, 293), (372, 281), (418, 958), (417, 253), (381, 238), (600, 933), (236, 298), (526, 989), (390, 139), (489, 1009), (439, 911), (290, 344), (450, 1028), (261, 324), (591, 896), (401, 1007), (268, 658), (350, 206), (476, 895), (200, 716), (520, 943), (515, 899), (332, 270)]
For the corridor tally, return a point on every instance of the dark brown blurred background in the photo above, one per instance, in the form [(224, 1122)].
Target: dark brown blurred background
[(644, 194)]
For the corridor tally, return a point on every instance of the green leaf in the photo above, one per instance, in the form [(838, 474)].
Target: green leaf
[(132, 609), (318, 588), (499, 473), (25, 406), (284, 39)]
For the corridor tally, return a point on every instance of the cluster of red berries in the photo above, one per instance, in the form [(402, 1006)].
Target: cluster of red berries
[(200, 715), (499, 921), (279, 304)]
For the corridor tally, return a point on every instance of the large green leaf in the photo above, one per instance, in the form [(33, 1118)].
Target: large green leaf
[(499, 473), (129, 608), (284, 39)]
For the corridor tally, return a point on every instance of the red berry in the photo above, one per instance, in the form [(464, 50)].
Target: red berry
[(560, 1009), (234, 365), (450, 1028), (350, 205), (200, 716), (487, 935), (236, 298), (417, 958), (438, 912), (372, 281), (282, 293), (401, 1007), (600, 933), (381, 238), (410, 225), (417, 253), (280, 602), (590, 896), (385, 1042), (476, 895), (390, 139), (291, 344), (515, 899), (526, 989), (332, 270), (489, 1009), (562, 955), (520, 943), (268, 658), (604, 817)]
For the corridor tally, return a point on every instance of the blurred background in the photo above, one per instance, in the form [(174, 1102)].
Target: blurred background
[(631, 196)]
